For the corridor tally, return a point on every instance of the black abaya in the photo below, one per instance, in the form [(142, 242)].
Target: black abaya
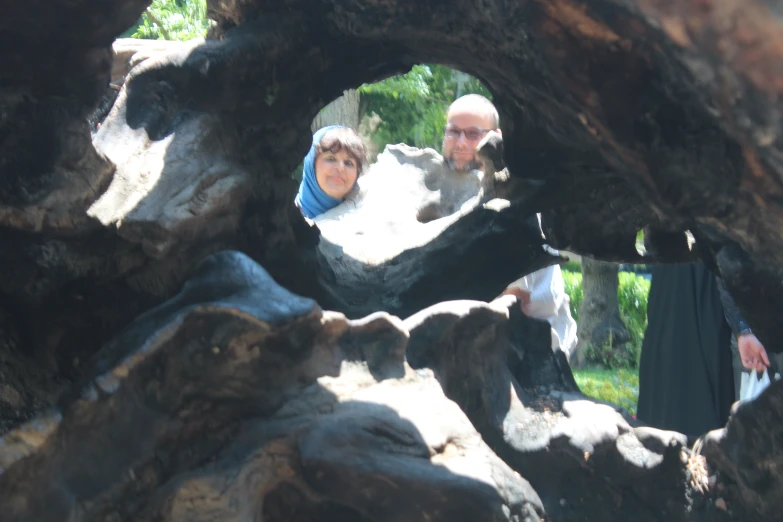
[(686, 382)]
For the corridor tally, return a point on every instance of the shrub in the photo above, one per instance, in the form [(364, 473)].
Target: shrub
[(612, 356), (573, 287), (171, 20), (632, 295)]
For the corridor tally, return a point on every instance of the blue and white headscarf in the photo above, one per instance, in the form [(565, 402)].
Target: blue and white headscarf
[(311, 199)]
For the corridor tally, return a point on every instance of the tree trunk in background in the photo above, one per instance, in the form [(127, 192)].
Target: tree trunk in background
[(461, 78), (342, 111), (599, 313)]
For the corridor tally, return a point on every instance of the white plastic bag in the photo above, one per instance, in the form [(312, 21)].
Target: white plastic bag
[(752, 386)]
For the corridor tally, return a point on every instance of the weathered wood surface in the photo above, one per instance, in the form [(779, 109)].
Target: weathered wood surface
[(404, 236), (630, 114), (237, 400)]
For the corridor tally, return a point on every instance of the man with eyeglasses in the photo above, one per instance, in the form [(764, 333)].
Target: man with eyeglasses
[(469, 119), (542, 293)]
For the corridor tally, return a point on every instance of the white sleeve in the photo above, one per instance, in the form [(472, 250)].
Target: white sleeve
[(549, 302)]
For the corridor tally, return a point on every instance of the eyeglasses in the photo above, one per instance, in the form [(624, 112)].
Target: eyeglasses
[(471, 133)]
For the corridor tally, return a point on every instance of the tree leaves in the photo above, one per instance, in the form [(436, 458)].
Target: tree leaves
[(172, 20), (412, 107)]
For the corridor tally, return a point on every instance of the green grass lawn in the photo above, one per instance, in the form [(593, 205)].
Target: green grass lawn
[(619, 387)]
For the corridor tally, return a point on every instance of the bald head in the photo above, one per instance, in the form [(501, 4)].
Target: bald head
[(468, 121), (478, 105)]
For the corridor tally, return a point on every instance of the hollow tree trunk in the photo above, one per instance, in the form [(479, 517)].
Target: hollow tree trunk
[(622, 114), (599, 313)]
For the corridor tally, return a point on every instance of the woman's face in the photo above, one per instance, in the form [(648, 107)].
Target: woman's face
[(336, 173)]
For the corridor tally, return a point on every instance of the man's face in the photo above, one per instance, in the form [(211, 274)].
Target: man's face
[(459, 150)]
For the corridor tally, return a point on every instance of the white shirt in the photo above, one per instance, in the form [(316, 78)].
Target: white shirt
[(549, 302)]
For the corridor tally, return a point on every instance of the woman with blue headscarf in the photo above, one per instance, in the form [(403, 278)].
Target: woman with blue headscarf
[(331, 168)]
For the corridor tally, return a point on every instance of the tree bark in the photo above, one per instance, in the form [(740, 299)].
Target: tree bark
[(236, 393), (342, 111), (599, 314)]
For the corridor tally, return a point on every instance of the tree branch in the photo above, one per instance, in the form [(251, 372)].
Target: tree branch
[(154, 19)]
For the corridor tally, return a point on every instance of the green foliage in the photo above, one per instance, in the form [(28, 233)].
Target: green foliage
[(640, 241), (572, 266), (632, 294), (412, 107), (172, 20), (573, 287), (618, 387), (612, 356)]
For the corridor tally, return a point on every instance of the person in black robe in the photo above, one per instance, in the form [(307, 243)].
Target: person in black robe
[(686, 381)]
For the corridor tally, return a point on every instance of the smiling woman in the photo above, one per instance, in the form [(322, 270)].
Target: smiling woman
[(331, 168)]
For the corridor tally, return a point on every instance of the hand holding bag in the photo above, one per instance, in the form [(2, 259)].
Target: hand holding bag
[(752, 385)]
